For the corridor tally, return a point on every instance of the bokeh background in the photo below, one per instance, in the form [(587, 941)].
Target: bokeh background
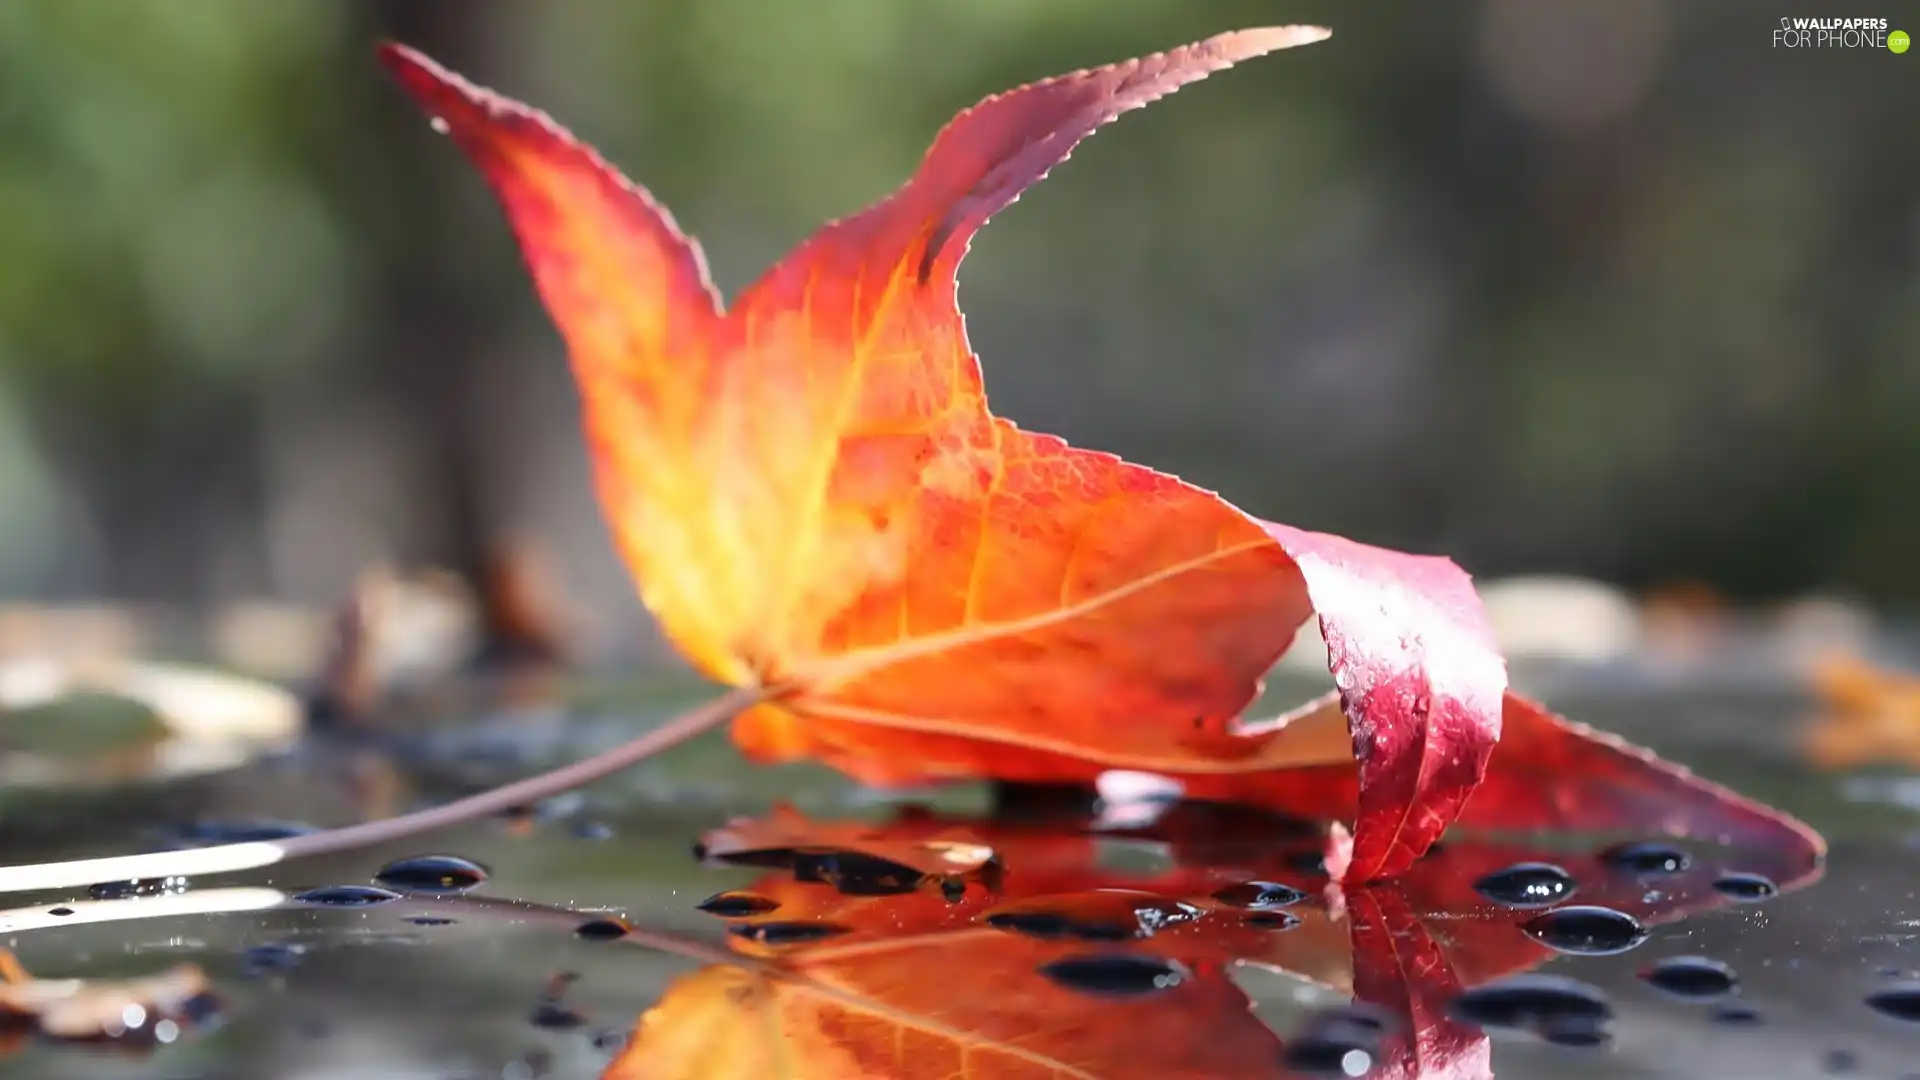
[(1611, 287)]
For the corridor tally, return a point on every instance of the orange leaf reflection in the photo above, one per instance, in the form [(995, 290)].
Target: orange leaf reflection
[(1056, 960)]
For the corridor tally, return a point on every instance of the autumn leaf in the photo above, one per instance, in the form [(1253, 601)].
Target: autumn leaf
[(1868, 714), (920, 985), (104, 1009), (815, 499)]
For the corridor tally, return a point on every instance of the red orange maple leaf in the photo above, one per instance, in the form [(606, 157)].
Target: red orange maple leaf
[(815, 499)]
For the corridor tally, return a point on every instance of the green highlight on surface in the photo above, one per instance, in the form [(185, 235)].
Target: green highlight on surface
[(1898, 41)]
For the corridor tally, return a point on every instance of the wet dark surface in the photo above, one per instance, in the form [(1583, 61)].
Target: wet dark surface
[(526, 946)]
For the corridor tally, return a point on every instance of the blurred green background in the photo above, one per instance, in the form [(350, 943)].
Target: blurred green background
[(1612, 287)]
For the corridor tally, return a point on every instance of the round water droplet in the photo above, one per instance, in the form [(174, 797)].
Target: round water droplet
[(1695, 978), (346, 896), (1586, 930), (60, 912), (1745, 888), (1117, 974), (1259, 895), (437, 874), (1521, 1001), (736, 904), (603, 929), (1527, 885), (1901, 1001), (1736, 1014), (1647, 857), (785, 933)]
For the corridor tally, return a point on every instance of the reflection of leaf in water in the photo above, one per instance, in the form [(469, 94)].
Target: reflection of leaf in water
[(919, 985), (1869, 714)]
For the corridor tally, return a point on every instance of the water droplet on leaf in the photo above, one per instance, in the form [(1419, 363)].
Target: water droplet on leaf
[(1117, 974), (1648, 857), (1273, 920), (1527, 885), (1259, 895), (1746, 888)]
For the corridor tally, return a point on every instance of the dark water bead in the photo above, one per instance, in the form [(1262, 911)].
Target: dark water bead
[(736, 904), (608, 1042), (1049, 925), (440, 874), (1259, 895), (1647, 857), (1273, 920), (1117, 974), (855, 873), (346, 896), (953, 890), (554, 1016), (1736, 1014), (1520, 1001), (604, 929), (785, 933), (1582, 1032), (1902, 1002), (431, 920), (1746, 888), (60, 912), (1695, 978), (272, 957), (1586, 930), (1527, 885)]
